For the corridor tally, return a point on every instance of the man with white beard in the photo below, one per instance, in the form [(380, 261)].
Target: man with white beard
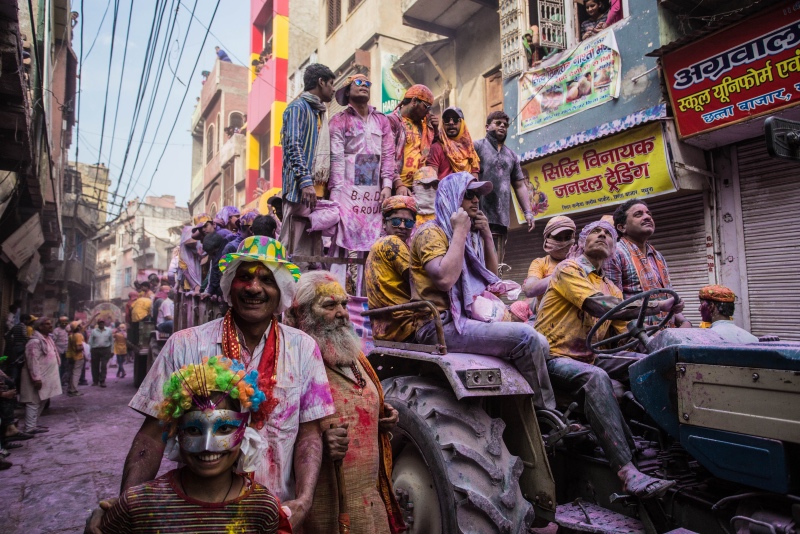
[(358, 433)]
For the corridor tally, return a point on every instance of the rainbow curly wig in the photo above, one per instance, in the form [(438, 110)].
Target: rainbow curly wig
[(193, 384)]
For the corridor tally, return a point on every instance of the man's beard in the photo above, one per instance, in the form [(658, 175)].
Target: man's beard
[(337, 340), (497, 137)]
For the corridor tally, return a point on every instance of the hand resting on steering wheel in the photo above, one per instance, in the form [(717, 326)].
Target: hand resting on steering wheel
[(608, 308)]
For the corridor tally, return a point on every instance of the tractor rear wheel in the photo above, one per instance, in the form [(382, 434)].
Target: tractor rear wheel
[(452, 471)]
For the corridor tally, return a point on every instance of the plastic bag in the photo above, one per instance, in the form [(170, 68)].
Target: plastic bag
[(487, 307), (509, 288)]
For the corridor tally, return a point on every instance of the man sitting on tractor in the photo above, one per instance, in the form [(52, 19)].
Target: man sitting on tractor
[(453, 261), (717, 305), (580, 292)]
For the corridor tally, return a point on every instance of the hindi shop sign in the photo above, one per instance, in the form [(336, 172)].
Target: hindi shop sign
[(750, 69), (590, 76), (610, 171)]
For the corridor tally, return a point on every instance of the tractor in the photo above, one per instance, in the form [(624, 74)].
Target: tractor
[(472, 454)]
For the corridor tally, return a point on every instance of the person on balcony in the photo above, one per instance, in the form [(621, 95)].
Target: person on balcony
[(598, 11), (387, 269), (222, 55), (361, 174), (302, 121)]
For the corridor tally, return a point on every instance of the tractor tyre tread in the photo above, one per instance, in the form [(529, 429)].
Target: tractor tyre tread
[(481, 472)]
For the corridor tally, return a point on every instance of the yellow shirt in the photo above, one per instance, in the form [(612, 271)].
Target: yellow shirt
[(541, 268), (387, 285), (141, 308), (423, 218), (120, 342), (428, 244), (75, 346), (561, 318)]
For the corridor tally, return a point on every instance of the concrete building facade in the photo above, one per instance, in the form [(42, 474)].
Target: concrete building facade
[(218, 147)]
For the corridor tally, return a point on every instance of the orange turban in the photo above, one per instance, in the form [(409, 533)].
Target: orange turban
[(420, 92), (717, 293), (399, 202)]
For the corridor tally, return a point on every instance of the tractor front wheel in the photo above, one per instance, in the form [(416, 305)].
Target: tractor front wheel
[(452, 471)]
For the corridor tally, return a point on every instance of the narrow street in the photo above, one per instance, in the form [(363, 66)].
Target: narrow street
[(59, 476)]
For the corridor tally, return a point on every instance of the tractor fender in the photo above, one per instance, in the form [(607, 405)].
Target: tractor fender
[(460, 370)]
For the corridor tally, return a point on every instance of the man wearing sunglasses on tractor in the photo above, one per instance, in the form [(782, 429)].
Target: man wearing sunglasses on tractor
[(453, 262), (387, 270), (362, 170), (413, 136)]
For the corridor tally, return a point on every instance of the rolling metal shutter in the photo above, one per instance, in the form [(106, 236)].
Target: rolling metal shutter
[(680, 236), (771, 220)]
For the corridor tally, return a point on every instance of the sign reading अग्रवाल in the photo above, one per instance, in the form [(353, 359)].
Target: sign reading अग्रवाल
[(632, 164), (744, 71), (587, 78)]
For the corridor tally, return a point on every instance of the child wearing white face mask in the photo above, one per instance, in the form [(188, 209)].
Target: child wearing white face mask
[(205, 415)]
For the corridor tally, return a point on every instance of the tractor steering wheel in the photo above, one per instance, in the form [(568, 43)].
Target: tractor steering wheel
[(635, 334)]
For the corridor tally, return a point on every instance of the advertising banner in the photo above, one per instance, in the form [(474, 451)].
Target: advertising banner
[(631, 164), (392, 89), (745, 71), (590, 76)]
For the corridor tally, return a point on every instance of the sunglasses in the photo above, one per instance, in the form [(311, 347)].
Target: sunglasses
[(362, 83), (429, 185), (471, 194), (427, 106), (454, 120), (396, 222)]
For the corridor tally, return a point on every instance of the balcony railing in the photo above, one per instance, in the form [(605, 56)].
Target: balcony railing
[(232, 148)]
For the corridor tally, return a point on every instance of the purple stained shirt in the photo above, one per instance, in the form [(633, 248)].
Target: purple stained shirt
[(302, 391), (362, 162)]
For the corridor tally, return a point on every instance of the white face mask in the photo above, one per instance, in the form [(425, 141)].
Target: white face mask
[(426, 198)]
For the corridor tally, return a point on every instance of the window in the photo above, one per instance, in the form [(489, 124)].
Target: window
[(128, 278), (236, 120), (334, 15), (72, 181), (210, 143), (494, 92), (352, 5), (264, 156)]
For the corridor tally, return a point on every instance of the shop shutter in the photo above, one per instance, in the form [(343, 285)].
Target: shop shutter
[(770, 216), (680, 236)]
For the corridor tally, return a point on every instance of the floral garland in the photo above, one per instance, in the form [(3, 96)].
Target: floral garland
[(267, 366)]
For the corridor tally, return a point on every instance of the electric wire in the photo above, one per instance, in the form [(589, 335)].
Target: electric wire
[(99, 28)]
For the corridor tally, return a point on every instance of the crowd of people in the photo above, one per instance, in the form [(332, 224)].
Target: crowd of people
[(274, 410)]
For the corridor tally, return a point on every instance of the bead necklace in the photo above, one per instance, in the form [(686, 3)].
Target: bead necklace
[(359, 377)]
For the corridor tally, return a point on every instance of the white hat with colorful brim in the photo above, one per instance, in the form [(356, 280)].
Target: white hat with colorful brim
[(271, 254)]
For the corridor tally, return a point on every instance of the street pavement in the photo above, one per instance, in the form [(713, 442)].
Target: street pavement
[(59, 477)]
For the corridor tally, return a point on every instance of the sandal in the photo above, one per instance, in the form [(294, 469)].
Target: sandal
[(647, 487)]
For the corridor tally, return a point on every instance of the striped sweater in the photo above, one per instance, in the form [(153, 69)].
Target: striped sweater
[(160, 506)]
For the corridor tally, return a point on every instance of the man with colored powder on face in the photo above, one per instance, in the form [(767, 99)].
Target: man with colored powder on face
[(225, 220), (362, 170), (258, 283), (454, 151), (453, 261), (559, 236), (500, 166), (717, 306), (578, 294), (637, 266), (357, 434), (204, 413), (413, 136), (388, 282), (425, 184)]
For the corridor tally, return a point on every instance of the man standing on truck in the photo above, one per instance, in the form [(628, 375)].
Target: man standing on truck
[(358, 433), (580, 292), (258, 283), (453, 261)]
